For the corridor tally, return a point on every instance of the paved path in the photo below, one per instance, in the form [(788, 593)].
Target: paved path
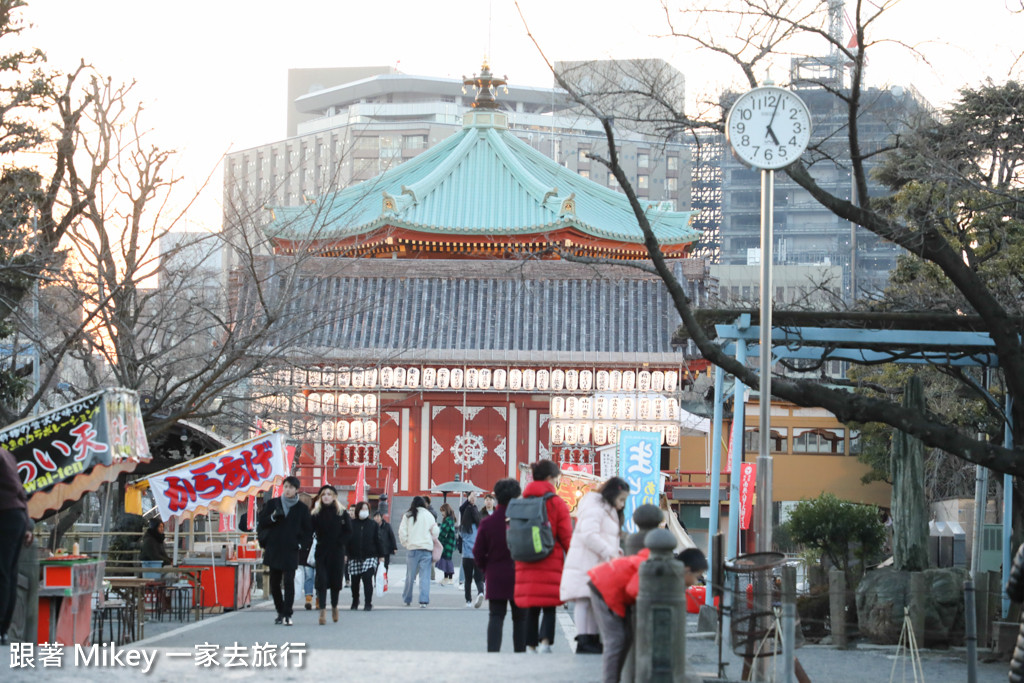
[(445, 642)]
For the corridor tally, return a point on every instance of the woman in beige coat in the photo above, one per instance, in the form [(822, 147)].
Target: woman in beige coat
[(595, 540)]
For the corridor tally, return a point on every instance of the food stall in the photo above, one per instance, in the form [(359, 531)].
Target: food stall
[(60, 456), (218, 481)]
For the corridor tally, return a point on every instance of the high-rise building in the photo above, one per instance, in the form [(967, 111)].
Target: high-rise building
[(805, 232)]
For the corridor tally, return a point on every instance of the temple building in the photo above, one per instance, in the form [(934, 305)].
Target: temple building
[(482, 309)]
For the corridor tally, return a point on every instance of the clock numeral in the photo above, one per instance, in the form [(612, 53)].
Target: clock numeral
[(768, 156), (745, 114), (745, 140), (740, 128), (756, 148), (798, 127), (782, 151), (792, 141), (794, 114)]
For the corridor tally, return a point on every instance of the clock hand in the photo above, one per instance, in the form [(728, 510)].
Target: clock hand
[(772, 135)]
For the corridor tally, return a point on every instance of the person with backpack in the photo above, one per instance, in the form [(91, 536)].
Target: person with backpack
[(491, 553), (539, 521), (596, 539)]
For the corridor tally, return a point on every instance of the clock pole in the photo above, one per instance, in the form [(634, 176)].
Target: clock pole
[(763, 487)]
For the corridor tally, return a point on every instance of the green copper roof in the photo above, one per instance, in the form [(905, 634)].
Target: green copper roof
[(481, 181)]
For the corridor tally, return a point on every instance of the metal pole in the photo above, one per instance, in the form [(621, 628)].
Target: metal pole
[(1007, 509), (738, 406), (980, 490), (716, 479), (970, 635), (763, 521), (788, 624)]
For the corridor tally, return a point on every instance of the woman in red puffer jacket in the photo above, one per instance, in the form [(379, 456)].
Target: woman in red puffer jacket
[(537, 583)]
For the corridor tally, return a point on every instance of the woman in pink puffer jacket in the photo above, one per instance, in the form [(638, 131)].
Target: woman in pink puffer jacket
[(594, 541)]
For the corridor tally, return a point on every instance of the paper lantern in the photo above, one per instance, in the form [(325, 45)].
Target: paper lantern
[(543, 380), (557, 433), (370, 378), (615, 380), (429, 378), (314, 378), (673, 435), (585, 407), (529, 380), (344, 378), (485, 378), (355, 430), (586, 380), (327, 377), (344, 404), (670, 380), (399, 378), (341, 431), (600, 433), (299, 377), (628, 380), (472, 378), (357, 404), (572, 380), (370, 404), (327, 404), (313, 403), (500, 377), (357, 379), (412, 378), (515, 379), (386, 377), (602, 380), (443, 378), (370, 430), (571, 432), (557, 409), (557, 380), (327, 430), (457, 378), (643, 380), (571, 407)]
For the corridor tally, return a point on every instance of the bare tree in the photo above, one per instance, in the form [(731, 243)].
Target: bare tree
[(752, 34)]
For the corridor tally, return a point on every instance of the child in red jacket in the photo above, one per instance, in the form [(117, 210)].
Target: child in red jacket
[(613, 590)]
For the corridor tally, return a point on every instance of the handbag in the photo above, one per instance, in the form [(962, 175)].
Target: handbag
[(458, 543), (438, 549), (311, 556), (381, 583)]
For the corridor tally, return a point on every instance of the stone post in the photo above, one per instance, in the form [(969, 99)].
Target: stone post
[(909, 510), (646, 518), (660, 641), (837, 607)]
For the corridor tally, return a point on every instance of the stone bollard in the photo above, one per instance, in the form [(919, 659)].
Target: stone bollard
[(646, 518), (837, 607), (660, 642)]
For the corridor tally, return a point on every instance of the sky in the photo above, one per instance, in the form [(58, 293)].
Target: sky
[(212, 74)]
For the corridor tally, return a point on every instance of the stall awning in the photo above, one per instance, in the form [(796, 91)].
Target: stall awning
[(65, 453), (221, 479)]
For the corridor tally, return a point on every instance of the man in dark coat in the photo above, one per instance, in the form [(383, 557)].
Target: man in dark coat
[(388, 542), (492, 556), (15, 532), (286, 533)]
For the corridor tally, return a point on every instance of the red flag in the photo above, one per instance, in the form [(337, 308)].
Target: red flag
[(290, 459), (748, 477), (250, 512), (361, 484)]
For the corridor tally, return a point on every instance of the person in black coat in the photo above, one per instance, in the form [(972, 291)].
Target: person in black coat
[(333, 528), (364, 553), (388, 542), (286, 532)]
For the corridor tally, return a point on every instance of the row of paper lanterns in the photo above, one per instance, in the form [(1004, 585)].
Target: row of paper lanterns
[(614, 407), (328, 430), (601, 433), (499, 379)]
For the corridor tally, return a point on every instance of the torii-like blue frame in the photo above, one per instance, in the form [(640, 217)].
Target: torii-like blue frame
[(967, 349)]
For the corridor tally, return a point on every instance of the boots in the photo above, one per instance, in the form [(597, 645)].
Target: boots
[(309, 602), (355, 603), (334, 613), (323, 617), (367, 606), (588, 644)]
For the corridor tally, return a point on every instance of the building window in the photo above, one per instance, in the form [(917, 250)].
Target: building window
[(752, 441), (642, 181), (822, 441), (612, 182), (672, 184), (414, 141), (581, 155), (643, 160), (585, 173), (673, 163)]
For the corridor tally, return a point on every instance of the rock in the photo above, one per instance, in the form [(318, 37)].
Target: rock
[(884, 593)]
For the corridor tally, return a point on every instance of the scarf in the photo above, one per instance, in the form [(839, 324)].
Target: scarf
[(287, 503)]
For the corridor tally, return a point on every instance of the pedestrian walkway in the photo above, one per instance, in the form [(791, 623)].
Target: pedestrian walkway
[(445, 642)]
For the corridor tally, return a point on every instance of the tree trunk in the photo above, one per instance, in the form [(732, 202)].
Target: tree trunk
[(909, 510)]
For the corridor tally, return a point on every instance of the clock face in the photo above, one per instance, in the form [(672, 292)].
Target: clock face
[(768, 127)]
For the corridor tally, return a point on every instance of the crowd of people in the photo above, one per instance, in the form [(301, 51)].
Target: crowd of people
[(584, 565)]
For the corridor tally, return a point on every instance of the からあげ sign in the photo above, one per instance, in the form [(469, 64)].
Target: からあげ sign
[(69, 451), (220, 479)]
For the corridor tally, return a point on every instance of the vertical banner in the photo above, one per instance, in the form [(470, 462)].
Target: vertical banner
[(639, 464), (728, 454), (360, 489), (608, 464), (226, 522), (748, 477)]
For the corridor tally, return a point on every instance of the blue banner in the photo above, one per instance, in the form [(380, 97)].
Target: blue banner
[(639, 464)]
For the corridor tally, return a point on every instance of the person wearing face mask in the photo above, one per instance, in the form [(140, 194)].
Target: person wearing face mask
[(285, 531), (595, 540), (537, 583), (332, 527), (364, 553)]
